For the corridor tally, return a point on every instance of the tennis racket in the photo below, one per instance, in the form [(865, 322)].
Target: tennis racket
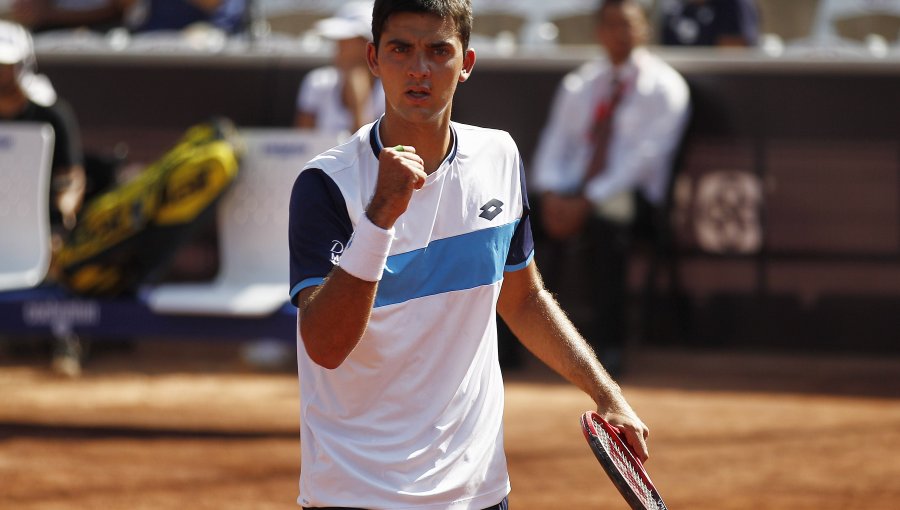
[(618, 460)]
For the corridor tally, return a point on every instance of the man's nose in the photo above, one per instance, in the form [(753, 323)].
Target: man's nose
[(419, 67)]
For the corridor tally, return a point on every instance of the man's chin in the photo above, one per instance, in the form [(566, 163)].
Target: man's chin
[(416, 116)]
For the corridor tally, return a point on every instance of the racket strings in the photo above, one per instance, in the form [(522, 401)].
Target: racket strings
[(627, 469)]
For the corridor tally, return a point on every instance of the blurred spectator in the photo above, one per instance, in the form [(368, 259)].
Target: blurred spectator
[(709, 23), (40, 15), (29, 97), (342, 97), (603, 165), (137, 15), (152, 15)]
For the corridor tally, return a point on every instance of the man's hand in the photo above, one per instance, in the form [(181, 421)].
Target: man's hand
[(400, 172), (636, 433), (563, 216)]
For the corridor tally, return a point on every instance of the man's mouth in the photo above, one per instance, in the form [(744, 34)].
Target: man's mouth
[(418, 93)]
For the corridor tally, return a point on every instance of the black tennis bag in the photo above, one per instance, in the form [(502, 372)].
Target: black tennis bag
[(127, 234)]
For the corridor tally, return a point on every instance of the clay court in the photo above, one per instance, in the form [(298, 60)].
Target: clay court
[(170, 425)]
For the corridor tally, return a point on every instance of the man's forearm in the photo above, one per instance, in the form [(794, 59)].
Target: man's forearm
[(543, 327), (334, 317)]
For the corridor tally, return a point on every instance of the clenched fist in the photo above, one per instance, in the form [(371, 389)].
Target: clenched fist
[(400, 172)]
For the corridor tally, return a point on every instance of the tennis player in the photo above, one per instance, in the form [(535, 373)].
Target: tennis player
[(404, 242)]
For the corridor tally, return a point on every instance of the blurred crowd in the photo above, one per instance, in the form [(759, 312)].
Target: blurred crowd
[(136, 15), (622, 116), (500, 24)]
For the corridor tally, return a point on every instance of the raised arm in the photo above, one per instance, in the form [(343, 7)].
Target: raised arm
[(537, 320), (333, 316)]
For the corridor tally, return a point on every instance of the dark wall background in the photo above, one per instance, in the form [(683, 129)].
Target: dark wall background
[(820, 140)]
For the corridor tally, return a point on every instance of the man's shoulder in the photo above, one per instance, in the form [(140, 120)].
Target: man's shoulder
[(339, 159), (469, 134), (333, 173), (486, 143)]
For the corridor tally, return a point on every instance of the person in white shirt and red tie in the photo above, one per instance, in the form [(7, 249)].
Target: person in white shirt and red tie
[(603, 164)]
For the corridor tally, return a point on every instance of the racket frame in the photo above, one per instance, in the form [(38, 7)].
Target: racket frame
[(592, 424)]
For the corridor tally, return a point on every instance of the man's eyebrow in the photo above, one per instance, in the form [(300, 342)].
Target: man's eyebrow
[(398, 42), (439, 44), (402, 42)]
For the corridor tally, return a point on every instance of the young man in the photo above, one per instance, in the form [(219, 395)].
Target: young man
[(404, 243)]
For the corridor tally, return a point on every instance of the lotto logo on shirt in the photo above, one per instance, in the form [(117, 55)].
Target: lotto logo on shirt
[(490, 210)]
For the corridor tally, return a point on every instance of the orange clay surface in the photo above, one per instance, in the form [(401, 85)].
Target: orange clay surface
[(173, 425)]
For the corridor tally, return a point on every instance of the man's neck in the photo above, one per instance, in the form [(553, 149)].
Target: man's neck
[(432, 140)]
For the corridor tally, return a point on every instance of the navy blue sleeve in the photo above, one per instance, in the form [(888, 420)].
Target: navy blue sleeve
[(521, 249), (318, 229)]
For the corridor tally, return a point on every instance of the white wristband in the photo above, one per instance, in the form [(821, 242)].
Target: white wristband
[(368, 250)]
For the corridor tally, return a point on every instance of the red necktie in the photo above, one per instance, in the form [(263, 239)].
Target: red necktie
[(601, 131)]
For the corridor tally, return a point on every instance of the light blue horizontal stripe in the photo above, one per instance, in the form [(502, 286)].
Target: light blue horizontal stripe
[(523, 265), (446, 265), (309, 282)]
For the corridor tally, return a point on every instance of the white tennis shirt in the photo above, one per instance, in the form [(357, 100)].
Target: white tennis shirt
[(413, 417)]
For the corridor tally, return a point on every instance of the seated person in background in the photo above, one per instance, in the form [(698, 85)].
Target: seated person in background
[(152, 15), (342, 97), (603, 165), (40, 15), (732, 23), (28, 97)]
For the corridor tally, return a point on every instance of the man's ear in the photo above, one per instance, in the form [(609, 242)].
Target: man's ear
[(468, 65), (372, 59)]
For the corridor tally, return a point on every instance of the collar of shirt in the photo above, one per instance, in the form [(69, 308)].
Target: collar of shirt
[(375, 141)]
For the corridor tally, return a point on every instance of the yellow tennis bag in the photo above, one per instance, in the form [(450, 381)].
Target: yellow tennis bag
[(124, 235)]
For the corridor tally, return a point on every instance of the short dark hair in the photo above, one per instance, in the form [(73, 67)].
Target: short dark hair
[(459, 11)]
